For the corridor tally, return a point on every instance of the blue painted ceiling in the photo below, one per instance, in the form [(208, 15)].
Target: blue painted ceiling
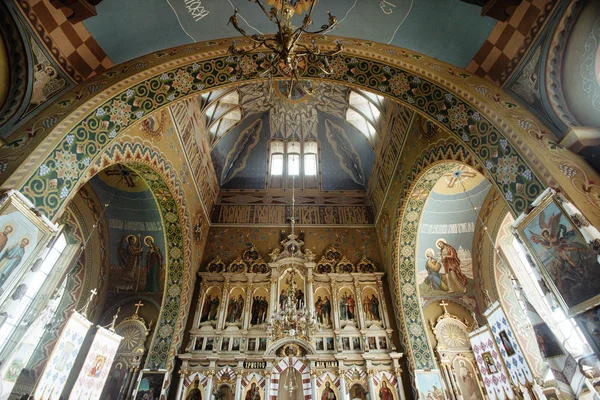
[(449, 30)]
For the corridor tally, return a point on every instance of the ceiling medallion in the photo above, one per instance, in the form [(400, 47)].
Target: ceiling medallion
[(286, 56)]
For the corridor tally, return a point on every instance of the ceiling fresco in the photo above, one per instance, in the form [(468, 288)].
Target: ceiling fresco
[(151, 25), (137, 243), (240, 156)]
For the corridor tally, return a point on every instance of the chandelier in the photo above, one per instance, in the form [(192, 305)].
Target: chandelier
[(287, 57), (293, 320)]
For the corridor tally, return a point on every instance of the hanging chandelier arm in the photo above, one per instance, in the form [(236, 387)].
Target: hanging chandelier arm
[(270, 14)]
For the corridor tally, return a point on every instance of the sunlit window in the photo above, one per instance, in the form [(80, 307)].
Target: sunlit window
[(293, 159), (364, 111)]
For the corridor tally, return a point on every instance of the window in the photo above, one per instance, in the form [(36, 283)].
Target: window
[(363, 112), (221, 111), (293, 161)]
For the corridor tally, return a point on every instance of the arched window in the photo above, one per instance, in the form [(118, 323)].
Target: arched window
[(221, 112), (363, 112)]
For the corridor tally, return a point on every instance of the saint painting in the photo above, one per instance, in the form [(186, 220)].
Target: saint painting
[(467, 381), (154, 265), (506, 344), (259, 310), (436, 280), (210, 308), (235, 309), (347, 306), (385, 393), (457, 281), (328, 393), (323, 310), (253, 393), (11, 258), (371, 308), (194, 393)]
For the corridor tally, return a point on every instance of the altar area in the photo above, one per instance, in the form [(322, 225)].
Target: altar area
[(343, 350)]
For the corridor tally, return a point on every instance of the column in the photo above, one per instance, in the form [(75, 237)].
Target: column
[(358, 310), (371, 384), (309, 293), (451, 390), (335, 305), (398, 372), (201, 298), (248, 306), (313, 384), (182, 374), (383, 310), (343, 394), (224, 302), (267, 383), (238, 384), (125, 384), (273, 302), (209, 385), (132, 383)]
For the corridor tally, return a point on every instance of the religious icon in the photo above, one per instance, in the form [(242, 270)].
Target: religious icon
[(371, 308), (259, 311), (323, 310), (382, 343), (211, 306), (197, 232), (347, 306), (11, 258), (567, 263), (372, 343), (436, 280), (262, 344), (199, 343), (235, 309), (97, 367), (225, 344), (329, 342), (467, 381), (385, 393), (346, 343), (489, 362), (253, 393), (209, 343), (356, 343), (506, 343), (235, 346), (457, 281), (154, 265), (319, 344), (223, 392), (328, 393), (194, 392), (546, 341), (150, 385)]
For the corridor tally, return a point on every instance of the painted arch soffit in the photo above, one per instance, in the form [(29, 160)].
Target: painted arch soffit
[(484, 119), (160, 176)]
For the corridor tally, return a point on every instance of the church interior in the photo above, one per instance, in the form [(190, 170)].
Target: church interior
[(299, 199)]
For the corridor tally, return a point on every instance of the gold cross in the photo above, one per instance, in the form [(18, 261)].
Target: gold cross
[(138, 305), (443, 304)]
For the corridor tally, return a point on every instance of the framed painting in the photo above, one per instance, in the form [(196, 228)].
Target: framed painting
[(430, 386), (150, 385), (549, 346), (24, 234), (589, 323), (567, 263)]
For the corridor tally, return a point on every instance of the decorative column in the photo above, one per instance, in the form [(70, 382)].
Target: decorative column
[(335, 304), (238, 384), (451, 390), (398, 372), (132, 382), (201, 299), (209, 385), (224, 303), (370, 383), (125, 384), (309, 292), (267, 376), (313, 384), (273, 304), (248, 307), (358, 310), (342, 375), (182, 374)]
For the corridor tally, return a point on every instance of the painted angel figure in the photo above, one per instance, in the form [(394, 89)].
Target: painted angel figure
[(557, 239)]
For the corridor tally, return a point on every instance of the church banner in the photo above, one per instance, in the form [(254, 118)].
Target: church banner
[(60, 362), (510, 350), (490, 364), (96, 366)]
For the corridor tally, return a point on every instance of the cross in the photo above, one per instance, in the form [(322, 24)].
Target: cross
[(443, 304), (93, 292), (138, 305)]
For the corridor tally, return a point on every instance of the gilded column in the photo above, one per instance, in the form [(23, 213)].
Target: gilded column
[(182, 374), (370, 383), (209, 385), (342, 375), (313, 384), (238, 384), (398, 372), (224, 302)]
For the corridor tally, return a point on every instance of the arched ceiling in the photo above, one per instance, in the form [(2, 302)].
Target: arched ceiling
[(450, 30)]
